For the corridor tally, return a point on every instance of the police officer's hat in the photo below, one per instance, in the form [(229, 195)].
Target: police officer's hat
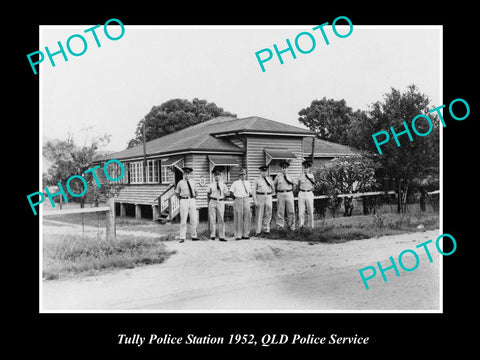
[(307, 164), (187, 170), (263, 168), (284, 163)]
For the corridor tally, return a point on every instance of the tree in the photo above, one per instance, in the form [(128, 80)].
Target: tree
[(70, 159), (349, 175), (330, 119), (413, 159), (174, 115)]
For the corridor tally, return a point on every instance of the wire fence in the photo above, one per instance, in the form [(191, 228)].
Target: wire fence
[(110, 228)]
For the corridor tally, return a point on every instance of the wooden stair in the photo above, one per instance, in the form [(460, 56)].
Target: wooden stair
[(169, 206), (165, 217)]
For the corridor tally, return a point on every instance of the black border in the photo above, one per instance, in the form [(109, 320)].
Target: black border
[(403, 334)]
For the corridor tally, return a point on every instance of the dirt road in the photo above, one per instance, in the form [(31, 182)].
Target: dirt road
[(261, 275)]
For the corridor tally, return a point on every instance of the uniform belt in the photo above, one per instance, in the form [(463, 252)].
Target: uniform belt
[(305, 190), (281, 191), (187, 197), (263, 193), (213, 198)]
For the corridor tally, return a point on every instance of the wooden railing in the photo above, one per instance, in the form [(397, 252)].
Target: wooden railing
[(173, 206), (163, 200), (230, 202), (169, 201)]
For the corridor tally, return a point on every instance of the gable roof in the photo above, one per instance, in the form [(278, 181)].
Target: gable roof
[(206, 137), (325, 148), (257, 124)]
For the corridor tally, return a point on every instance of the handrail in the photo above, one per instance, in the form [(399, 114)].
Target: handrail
[(163, 198), (159, 196)]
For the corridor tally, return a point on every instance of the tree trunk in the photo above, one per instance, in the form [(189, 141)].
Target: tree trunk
[(405, 194), (348, 203), (399, 197), (402, 192), (366, 205), (423, 197)]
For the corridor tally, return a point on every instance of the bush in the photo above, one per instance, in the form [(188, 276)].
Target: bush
[(357, 228)]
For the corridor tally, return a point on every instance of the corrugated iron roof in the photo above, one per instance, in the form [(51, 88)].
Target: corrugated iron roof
[(326, 148), (202, 137)]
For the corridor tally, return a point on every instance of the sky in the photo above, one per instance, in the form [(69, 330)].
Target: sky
[(108, 89)]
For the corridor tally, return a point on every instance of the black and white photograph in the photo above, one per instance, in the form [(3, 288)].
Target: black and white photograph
[(247, 179), (214, 179)]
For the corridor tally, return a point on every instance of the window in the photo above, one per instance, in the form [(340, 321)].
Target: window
[(273, 158), (274, 167), (152, 171), (114, 171), (136, 172), (167, 174), (169, 166), (225, 177)]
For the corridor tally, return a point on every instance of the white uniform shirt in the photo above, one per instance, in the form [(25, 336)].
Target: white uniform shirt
[(304, 183), (183, 189), (241, 188), (214, 192), (282, 184), (264, 184)]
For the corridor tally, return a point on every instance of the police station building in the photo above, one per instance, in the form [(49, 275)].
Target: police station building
[(224, 143)]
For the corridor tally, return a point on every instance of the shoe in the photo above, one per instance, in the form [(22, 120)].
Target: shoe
[(181, 240), (266, 233), (194, 239), (238, 239), (222, 239), (212, 238), (258, 235), (245, 238)]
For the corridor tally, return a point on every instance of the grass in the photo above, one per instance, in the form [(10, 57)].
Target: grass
[(343, 229), (70, 255)]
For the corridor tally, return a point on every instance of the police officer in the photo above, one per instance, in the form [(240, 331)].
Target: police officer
[(263, 190), (284, 185), (305, 184), (241, 191), (216, 192), (186, 191)]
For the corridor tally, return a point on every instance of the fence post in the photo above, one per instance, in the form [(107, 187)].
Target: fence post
[(366, 205), (110, 220)]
